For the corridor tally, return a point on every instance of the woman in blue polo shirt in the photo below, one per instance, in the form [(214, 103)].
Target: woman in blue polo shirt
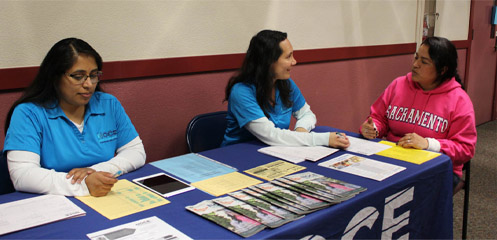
[(64, 135), (262, 98)]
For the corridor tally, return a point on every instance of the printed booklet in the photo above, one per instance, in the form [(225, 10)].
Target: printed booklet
[(226, 218), (326, 184), (262, 204), (247, 210), (272, 204), (296, 197), (282, 204)]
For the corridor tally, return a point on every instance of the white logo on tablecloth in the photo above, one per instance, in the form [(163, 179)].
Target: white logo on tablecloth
[(367, 216)]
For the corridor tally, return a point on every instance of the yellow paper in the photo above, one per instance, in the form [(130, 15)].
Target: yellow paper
[(411, 155), (274, 170), (124, 199), (226, 183)]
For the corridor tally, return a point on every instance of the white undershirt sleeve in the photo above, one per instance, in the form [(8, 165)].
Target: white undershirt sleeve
[(305, 118), (128, 158), (267, 132), (433, 145), (28, 176)]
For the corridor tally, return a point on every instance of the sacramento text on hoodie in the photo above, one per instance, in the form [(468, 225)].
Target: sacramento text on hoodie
[(445, 113)]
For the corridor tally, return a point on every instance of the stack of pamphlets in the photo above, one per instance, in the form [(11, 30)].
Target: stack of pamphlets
[(272, 204), (230, 220)]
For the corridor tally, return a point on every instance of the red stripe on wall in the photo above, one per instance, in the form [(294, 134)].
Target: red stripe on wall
[(332, 54), (14, 78), (462, 44)]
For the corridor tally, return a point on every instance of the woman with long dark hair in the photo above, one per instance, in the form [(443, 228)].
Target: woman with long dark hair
[(64, 135), (262, 98), (428, 108)]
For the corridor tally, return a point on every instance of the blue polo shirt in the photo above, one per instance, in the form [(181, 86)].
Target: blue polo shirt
[(50, 134), (243, 108)]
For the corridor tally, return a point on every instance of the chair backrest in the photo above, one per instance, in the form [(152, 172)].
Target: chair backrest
[(6, 185), (206, 131)]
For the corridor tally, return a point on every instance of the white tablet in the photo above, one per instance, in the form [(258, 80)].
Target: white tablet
[(163, 184)]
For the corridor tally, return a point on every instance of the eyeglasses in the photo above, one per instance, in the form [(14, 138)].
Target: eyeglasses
[(81, 77)]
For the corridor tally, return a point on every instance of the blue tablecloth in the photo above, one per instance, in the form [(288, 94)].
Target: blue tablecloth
[(415, 203)]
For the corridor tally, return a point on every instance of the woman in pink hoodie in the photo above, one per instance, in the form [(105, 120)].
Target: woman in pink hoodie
[(427, 108)]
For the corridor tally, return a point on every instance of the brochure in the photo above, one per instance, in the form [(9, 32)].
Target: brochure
[(326, 184), (298, 154), (298, 187), (296, 197), (193, 167), (364, 146), (151, 228), (262, 204), (36, 211), (226, 218), (226, 183), (362, 166), (274, 170), (280, 203), (250, 211)]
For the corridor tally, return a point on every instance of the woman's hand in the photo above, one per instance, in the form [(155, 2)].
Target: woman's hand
[(338, 140), (100, 183), (368, 130), (413, 140), (78, 174), (300, 129)]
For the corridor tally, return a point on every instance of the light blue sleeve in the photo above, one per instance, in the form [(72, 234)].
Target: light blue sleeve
[(24, 133), (243, 104), (297, 97)]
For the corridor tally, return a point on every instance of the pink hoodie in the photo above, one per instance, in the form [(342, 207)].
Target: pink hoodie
[(444, 113)]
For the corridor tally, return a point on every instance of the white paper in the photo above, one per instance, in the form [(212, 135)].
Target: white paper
[(366, 147), (362, 166), (298, 154), (145, 229), (36, 211)]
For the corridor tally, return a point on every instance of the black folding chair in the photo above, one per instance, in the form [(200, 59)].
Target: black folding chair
[(466, 168), (6, 185), (206, 131)]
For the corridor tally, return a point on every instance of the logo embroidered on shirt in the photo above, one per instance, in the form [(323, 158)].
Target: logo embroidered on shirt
[(107, 136)]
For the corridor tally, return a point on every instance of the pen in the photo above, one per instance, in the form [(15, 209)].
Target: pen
[(117, 174), (340, 135)]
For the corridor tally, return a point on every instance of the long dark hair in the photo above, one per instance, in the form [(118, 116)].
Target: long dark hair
[(444, 55), (44, 90), (263, 51)]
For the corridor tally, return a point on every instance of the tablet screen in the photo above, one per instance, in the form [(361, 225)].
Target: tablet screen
[(163, 184)]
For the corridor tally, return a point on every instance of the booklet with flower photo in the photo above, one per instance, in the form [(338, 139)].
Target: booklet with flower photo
[(308, 190), (250, 211), (295, 197), (326, 184), (282, 203), (263, 204), (226, 218)]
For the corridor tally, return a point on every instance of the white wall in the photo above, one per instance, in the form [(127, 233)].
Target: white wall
[(453, 19), (148, 29)]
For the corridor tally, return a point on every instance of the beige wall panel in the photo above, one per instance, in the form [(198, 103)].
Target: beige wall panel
[(130, 30), (453, 20)]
